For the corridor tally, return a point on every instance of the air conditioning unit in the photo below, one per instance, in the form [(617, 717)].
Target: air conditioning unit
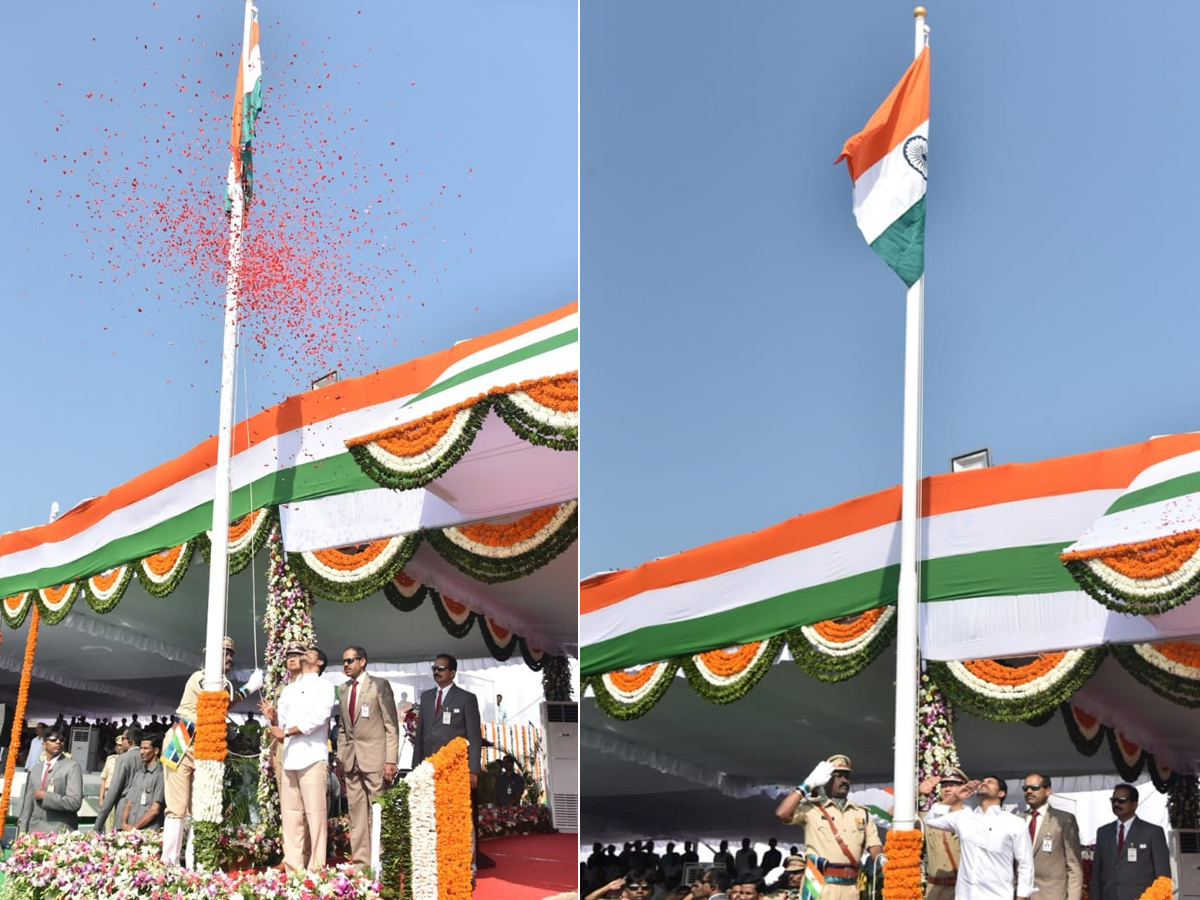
[(560, 725), (1187, 858)]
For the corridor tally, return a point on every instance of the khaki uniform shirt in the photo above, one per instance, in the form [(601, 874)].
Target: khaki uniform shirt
[(854, 825), (942, 856)]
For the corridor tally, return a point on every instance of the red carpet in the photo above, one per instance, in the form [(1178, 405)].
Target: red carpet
[(529, 867)]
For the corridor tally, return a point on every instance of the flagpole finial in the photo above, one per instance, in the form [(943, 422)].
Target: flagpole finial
[(919, 12)]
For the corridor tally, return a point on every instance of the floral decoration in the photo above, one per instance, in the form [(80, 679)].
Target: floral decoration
[(902, 875), (14, 609), (1160, 889), (211, 708), (55, 602), (1013, 693), (936, 751), (499, 640), (104, 590), (405, 593), (629, 694), (126, 864), (1171, 668), (1141, 578), (247, 534), (413, 455), (544, 412), (1183, 802), (837, 649), (160, 573), (517, 818), (348, 574), (1086, 731), (395, 843), (14, 745), (494, 552), (1127, 756), (455, 617), (556, 679), (452, 802), (726, 675), (1162, 777)]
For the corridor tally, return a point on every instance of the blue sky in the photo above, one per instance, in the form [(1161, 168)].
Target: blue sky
[(456, 124), (743, 347)]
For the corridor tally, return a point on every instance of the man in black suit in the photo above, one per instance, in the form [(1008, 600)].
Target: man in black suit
[(1130, 853), (447, 711)]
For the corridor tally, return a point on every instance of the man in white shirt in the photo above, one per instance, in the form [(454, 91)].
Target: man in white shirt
[(33, 759), (303, 727), (991, 839)]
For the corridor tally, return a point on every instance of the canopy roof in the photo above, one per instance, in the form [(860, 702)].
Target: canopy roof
[(431, 506), (1060, 594)]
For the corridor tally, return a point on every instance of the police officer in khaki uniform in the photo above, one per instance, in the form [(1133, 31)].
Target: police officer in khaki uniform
[(792, 881), (836, 831), (941, 847)]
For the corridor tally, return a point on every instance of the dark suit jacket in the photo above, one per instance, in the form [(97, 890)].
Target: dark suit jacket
[(59, 809), (124, 770), (370, 741), (432, 734), (1116, 878)]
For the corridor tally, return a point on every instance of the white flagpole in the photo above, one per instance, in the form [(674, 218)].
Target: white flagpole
[(904, 782), (218, 572)]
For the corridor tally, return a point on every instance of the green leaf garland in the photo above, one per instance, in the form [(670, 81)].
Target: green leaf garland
[(1183, 802), (206, 837), (532, 430), (736, 687), (423, 475), (535, 661), (499, 651), (164, 588), (1122, 601), (402, 603), (105, 606), (1017, 709), (1177, 689), (823, 666), (619, 709), (16, 620), (453, 628), (1129, 771), (240, 558), (54, 616), (491, 570), (354, 590), (1085, 745), (395, 844), (556, 679)]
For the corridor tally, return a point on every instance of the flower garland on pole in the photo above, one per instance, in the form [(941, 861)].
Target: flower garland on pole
[(210, 749), (287, 620), (902, 877), (1183, 802), (10, 764), (1160, 889), (936, 750), (556, 679)]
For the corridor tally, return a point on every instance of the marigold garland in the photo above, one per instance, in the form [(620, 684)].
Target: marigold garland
[(1168, 669), (847, 629), (452, 801), (10, 764), (211, 708), (1144, 560), (337, 574), (160, 573), (1161, 888), (1141, 578), (55, 602), (985, 689), (835, 650), (902, 875), (744, 668), (15, 608), (511, 550), (998, 673), (506, 534), (104, 590)]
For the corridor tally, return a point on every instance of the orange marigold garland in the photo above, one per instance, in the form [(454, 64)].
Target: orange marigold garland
[(902, 875), (452, 802), (10, 764), (1160, 889), (211, 708)]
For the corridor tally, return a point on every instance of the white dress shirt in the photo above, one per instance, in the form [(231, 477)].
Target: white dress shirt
[(305, 705), (991, 840)]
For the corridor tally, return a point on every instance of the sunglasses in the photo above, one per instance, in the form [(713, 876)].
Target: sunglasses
[(1032, 787), (350, 660), (439, 668), (55, 740), (638, 886), (1120, 799)]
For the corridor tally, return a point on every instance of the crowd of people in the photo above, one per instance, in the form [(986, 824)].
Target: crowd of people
[(976, 852), (351, 731)]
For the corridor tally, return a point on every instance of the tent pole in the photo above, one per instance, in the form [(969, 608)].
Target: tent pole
[(907, 651), (218, 572)]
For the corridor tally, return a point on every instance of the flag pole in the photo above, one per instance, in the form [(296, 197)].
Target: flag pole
[(218, 572), (908, 595)]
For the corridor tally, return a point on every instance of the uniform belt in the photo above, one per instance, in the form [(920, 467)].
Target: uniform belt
[(845, 870), (947, 881)]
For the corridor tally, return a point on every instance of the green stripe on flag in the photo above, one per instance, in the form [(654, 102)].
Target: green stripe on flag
[(992, 573), (902, 245), (1170, 489)]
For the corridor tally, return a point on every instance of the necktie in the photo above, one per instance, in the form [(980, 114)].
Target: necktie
[(1032, 824), (353, 699), (46, 774), (1120, 838), (437, 707)]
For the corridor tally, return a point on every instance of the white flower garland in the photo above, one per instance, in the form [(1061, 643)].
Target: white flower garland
[(1088, 732), (258, 518), (1154, 657), (351, 576), (1016, 691), (67, 599), (501, 642), (426, 458), (561, 515), (22, 599), (170, 573), (206, 790), (1145, 587), (407, 591), (852, 646), (545, 415), (422, 825), (103, 596), (627, 697), (456, 618), (723, 680)]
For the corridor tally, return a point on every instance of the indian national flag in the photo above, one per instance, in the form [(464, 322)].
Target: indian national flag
[(247, 103), (887, 162)]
